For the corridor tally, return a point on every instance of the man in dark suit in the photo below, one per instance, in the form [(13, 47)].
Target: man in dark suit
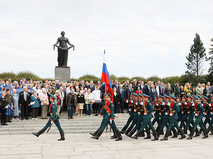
[(121, 95), (146, 89), (24, 102), (115, 84)]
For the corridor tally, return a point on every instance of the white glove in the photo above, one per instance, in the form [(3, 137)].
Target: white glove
[(144, 113), (196, 114), (185, 103), (129, 109), (136, 103), (163, 103), (141, 103), (139, 113), (131, 101), (110, 121), (188, 112), (204, 113), (209, 105), (211, 113), (157, 104), (52, 122), (170, 114), (159, 113), (135, 110), (179, 103), (193, 104), (166, 113)]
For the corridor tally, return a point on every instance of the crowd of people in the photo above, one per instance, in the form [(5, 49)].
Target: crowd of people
[(25, 98)]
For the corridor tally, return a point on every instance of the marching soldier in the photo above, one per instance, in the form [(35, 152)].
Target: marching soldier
[(207, 110), (148, 109), (190, 115), (140, 117), (173, 116), (108, 118), (165, 115), (198, 110), (135, 113), (183, 108), (131, 112), (54, 118)]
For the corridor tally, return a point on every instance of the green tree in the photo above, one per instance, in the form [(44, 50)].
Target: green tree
[(195, 59)]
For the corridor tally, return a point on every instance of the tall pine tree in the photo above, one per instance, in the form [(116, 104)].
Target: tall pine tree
[(195, 59), (210, 58)]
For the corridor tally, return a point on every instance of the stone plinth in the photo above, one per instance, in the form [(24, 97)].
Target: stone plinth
[(62, 74)]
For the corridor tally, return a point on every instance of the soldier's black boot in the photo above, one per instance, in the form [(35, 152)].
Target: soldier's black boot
[(155, 136), (148, 134), (137, 134), (205, 134), (127, 131), (191, 135), (62, 136), (38, 133), (174, 133), (159, 132), (142, 134), (97, 135), (93, 134), (114, 135), (185, 131), (197, 133), (166, 136), (119, 137), (131, 132), (182, 134), (170, 133), (124, 129)]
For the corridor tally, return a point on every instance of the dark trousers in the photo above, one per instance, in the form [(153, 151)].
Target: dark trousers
[(24, 110), (3, 116), (121, 107), (97, 108), (116, 107), (35, 112), (71, 110)]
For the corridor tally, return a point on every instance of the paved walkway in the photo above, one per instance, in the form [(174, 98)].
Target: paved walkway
[(82, 146)]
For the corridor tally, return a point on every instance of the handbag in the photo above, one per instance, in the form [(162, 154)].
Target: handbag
[(32, 103)]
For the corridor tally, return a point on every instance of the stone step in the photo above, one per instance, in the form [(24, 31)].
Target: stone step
[(78, 125)]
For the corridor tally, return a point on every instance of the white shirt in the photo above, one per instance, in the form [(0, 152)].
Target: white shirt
[(96, 94)]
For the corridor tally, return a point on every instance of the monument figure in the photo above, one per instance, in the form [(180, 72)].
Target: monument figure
[(63, 49)]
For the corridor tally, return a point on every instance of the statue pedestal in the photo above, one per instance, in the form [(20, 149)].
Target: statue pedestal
[(62, 74)]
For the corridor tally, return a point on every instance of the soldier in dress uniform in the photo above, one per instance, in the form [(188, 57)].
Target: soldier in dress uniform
[(207, 110), (198, 110), (108, 118), (131, 112), (161, 113), (54, 118), (183, 111), (165, 115), (147, 109), (190, 114), (140, 117), (173, 116), (135, 113), (211, 116)]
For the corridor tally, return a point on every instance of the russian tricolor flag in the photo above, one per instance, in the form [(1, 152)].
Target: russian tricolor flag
[(106, 78)]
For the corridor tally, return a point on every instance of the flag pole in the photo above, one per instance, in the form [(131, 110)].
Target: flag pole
[(105, 59)]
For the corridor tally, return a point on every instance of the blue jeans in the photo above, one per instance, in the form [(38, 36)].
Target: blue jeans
[(89, 109), (71, 110)]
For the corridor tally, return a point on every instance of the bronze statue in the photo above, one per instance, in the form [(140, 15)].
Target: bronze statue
[(63, 49)]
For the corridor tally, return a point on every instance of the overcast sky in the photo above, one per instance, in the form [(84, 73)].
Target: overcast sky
[(141, 38)]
